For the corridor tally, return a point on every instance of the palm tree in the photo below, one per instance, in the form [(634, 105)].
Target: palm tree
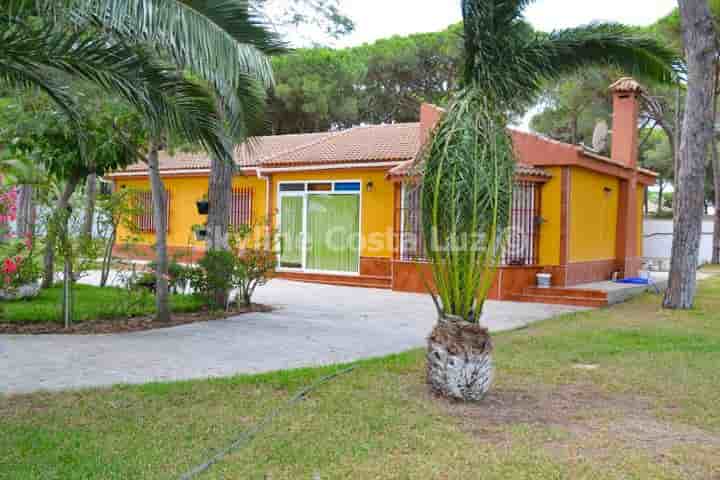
[(468, 167), (225, 43), (43, 53)]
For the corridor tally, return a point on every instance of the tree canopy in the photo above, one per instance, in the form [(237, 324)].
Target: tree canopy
[(386, 81)]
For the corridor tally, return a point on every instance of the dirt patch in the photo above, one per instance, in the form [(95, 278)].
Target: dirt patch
[(124, 325), (590, 424), (561, 407)]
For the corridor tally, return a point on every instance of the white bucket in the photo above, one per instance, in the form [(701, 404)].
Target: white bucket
[(544, 280)]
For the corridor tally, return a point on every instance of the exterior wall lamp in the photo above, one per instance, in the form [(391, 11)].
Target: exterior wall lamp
[(369, 186)]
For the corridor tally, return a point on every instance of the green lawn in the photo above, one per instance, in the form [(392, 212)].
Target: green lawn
[(630, 392), (91, 303)]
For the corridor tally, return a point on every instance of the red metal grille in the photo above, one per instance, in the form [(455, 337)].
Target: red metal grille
[(241, 206), (412, 245), (522, 242), (144, 221)]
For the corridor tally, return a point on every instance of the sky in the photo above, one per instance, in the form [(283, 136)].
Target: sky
[(376, 19)]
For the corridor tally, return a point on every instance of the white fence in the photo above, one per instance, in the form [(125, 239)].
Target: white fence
[(657, 239)]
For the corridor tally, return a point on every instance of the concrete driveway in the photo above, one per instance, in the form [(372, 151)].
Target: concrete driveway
[(312, 325)]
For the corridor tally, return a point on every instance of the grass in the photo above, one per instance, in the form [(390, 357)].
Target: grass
[(91, 303), (629, 392)]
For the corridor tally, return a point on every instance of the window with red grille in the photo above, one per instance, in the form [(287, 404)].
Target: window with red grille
[(143, 219), (241, 206)]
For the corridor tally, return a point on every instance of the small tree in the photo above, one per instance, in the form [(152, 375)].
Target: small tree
[(114, 209), (255, 260)]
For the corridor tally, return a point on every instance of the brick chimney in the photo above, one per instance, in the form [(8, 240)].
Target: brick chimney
[(430, 115), (626, 110)]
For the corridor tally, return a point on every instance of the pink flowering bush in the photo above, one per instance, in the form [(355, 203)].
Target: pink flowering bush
[(8, 205), (18, 266)]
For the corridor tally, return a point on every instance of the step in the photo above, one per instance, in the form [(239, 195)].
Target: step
[(561, 300), (365, 281), (565, 292)]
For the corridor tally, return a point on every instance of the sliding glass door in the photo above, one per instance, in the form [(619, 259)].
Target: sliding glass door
[(291, 226), (320, 226)]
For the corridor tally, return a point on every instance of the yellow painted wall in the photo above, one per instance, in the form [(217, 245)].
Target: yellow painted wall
[(551, 199), (593, 215), (377, 206), (184, 192)]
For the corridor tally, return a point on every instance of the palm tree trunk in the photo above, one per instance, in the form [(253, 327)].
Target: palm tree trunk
[(51, 235), (26, 211), (219, 198), (219, 195), (90, 205), (700, 40), (162, 290)]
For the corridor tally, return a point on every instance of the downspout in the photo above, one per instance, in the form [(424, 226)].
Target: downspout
[(267, 201)]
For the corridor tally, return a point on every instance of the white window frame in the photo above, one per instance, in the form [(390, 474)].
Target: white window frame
[(304, 194)]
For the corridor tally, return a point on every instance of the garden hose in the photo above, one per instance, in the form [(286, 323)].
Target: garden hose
[(247, 436)]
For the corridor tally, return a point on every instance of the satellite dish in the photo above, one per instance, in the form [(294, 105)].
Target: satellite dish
[(600, 136)]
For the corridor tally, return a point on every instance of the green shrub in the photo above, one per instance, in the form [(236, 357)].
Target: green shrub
[(213, 277)]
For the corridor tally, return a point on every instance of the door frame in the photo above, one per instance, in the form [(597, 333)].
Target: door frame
[(304, 194)]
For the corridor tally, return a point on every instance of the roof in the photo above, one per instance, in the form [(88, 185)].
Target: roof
[(626, 85), (405, 170), (369, 144)]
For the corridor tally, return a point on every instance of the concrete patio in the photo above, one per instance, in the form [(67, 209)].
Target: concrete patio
[(311, 325)]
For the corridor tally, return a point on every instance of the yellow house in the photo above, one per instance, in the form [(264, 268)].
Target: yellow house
[(346, 213)]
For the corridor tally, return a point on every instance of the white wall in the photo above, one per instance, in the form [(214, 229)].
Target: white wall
[(657, 241)]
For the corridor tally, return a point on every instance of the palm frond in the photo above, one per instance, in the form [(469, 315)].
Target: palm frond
[(167, 100), (218, 40), (508, 60), (468, 173), (571, 49)]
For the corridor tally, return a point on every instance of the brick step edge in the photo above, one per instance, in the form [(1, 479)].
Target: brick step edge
[(565, 292), (554, 300), (363, 281)]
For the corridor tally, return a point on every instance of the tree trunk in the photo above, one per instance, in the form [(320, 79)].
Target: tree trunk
[(700, 42), (459, 360), (219, 197), (716, 182), (90, 205), (51, 234), (26, 211), (162, 289), (661, 192), (715, 159)]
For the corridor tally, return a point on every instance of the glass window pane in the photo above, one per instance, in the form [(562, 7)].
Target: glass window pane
[(291, 214), (347, 187), (333, 233), (320, 187), (292, 187)]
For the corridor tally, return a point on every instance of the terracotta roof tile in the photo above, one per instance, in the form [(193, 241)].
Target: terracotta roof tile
[(405, 169), (626, 84), (356, 145)]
